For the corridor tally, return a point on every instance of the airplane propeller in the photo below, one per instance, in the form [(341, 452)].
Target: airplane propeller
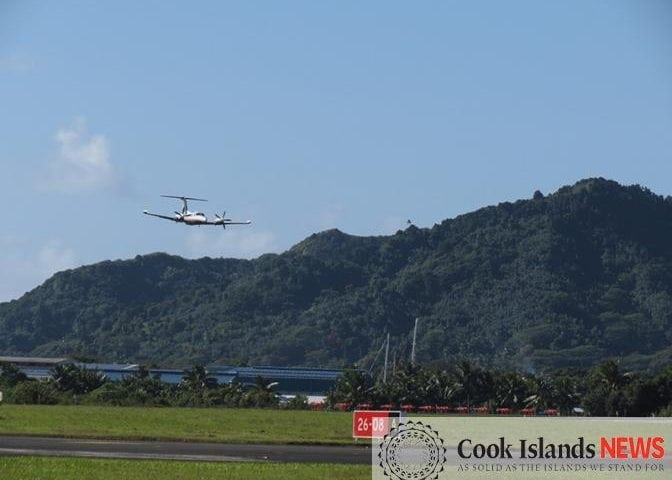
[(189, 218), (222, 218)]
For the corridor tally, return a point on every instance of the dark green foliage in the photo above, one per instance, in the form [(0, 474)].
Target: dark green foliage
[(136, 389), (262, 395), (563, 280), (10, 375), (197, 389), (353, 387), (604, 390), (35, 393), (197, 379), (76, 380)]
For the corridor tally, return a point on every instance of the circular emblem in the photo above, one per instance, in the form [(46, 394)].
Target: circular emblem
[(412, 451)]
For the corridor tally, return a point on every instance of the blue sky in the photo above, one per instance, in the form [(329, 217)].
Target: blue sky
[(309, 115)]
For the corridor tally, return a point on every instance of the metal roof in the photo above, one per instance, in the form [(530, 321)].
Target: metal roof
[(109, 366), (41, 367), (278, 372), (35, 360)]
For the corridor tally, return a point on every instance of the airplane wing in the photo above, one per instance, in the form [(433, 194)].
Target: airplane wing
[(160, 216), (227, 222)]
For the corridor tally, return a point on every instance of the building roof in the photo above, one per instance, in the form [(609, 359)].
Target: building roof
[(108, 366), (34, 360), (278, 372)]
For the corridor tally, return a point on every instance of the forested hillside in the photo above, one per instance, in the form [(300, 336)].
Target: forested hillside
[(567, 279)]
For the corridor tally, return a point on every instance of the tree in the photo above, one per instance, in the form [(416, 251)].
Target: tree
[(36, 392), (472, 385), (71, 378), (511, 390), (197, 379), (353, 387), (261, 395), (543, 393), (606, 394), (10, 374)]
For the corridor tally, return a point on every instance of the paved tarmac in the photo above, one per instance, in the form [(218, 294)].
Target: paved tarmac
[(212, 452)]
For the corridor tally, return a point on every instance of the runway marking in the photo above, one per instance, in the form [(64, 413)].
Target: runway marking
[(123, 455), (185, 451)]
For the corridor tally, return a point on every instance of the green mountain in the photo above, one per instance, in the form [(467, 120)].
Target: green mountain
[(568, 279)]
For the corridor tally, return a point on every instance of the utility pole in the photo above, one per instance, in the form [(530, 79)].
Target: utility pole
[(415, 336), (387, 352)]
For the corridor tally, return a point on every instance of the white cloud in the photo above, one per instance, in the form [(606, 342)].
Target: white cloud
[(83, 162), (235, 242), (23, 270)]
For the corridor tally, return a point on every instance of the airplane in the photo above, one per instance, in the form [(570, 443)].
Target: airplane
[(195, 218)]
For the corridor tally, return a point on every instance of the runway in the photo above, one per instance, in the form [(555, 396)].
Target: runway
[(193, 451)]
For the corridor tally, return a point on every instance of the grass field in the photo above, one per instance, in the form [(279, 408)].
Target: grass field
[(59, 468), (199, 424)]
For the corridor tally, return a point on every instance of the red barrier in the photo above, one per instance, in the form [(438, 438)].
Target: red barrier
[(343, 406)]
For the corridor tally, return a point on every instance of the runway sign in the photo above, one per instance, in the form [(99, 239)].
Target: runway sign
[(373, 423)]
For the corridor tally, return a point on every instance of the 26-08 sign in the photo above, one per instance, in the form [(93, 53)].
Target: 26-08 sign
[(373, 423)]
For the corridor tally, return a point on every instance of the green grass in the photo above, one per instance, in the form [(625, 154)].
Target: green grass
[(60, 468), (198, 424)]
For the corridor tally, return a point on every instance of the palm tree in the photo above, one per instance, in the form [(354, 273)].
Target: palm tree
[(510, 390), (543, 393), (263, 394), (471, 384), (196, 379), (606, 385), (609, 375), (10, 374), (353, 387), (71, 378)]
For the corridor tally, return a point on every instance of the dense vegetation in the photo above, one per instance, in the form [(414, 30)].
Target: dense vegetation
[(70, 384), (557, 281), (604, 390)]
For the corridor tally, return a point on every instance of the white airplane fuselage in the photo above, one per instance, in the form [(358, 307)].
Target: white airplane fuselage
[(194, 218)]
